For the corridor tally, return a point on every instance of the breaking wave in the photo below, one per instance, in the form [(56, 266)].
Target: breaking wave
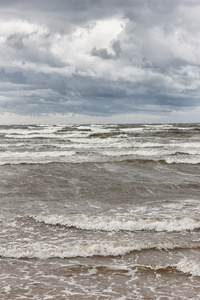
[(120, 223), (82, 249)]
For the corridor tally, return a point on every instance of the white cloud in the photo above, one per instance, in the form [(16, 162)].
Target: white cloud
[(19, 26)]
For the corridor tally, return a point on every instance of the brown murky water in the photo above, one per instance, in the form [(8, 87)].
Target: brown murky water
[(100, 212)]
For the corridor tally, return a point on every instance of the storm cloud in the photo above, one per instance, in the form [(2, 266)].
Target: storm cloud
[(100, 59)]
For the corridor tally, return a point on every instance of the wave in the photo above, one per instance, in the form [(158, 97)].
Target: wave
[(44, 251), (21, 131), (120, 223), (189, 267), (186, 266), (74, 157), (183, 160), (35, 157), (82, 249)]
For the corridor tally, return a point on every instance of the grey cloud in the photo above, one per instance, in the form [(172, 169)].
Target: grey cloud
[(33, 48), (61, 15), (16, 40), (13, 76), (116, 46), (84, 95), (102, 53), (105, 54)]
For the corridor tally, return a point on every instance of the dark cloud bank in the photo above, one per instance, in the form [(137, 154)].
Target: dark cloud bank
[(151, 65)]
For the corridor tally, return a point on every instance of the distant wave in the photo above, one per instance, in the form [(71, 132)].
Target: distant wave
[(120, 223), (183, 160), (76, 157), (100, 143), (34, 157)]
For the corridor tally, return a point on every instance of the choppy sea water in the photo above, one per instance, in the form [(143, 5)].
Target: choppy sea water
[(100, 212)]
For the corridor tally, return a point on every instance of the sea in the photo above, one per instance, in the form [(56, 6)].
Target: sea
[(100, 212)]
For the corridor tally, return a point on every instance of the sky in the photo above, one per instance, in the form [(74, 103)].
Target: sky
[(99, 61)]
